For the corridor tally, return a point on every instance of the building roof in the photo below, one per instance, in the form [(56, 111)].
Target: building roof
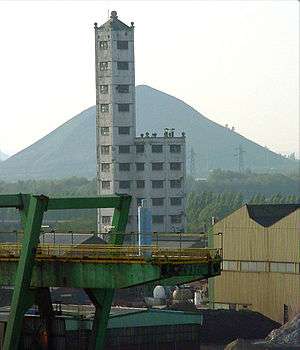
[(114, 23), (268, 214)]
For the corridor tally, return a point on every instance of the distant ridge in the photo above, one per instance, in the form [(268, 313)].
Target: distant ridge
[(69, 150), (3, 156)]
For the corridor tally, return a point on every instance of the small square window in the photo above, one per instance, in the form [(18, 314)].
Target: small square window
[(106, 220), (105, 167), (157, 184), (103, 89), (175, 183), (157, 202), (103, 45), (157, 219), (104, 107), (140, 166), (140, 148), (123, 89), (124, 166), (105, 150), (176, 219), (105, 131), (157, 148), (123, 107), (157, 166), (122, 44), (176, 200), (122, 65), (175, 166), (105, 185), (140, 184), (124, 184), (124, 130), (103, 65), (175, 148), (124, 149)]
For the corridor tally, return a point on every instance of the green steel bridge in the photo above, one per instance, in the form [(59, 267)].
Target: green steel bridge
[(33, 267)]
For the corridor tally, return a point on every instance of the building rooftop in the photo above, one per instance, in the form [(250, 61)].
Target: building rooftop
[(114, 23), (268, 214)]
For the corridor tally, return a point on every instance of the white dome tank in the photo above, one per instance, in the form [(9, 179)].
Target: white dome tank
[(159, 292)]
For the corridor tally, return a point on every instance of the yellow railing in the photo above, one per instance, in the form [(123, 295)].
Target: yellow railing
[(104, 253)]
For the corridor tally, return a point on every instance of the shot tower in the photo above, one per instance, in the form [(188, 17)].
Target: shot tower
[(115, 110)]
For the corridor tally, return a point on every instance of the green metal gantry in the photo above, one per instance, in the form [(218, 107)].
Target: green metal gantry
[(32, 209), (32, 278)]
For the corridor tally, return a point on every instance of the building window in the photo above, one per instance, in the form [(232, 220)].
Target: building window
[(140, 184), (253, 266), (106, 220), (157, 184), (176, 200), (104, 107), (105, 131), (123, 107), (175, 148), (282, 267), (129, 220), (103, 45), (103, 65), (176, 219), (157, 148), (124, 149), (157, 202), (123, 89), (140, 148), (105, 167), (122, 45), (157, 166), (124, 166), (124, 130), (122, 65), (229, 265), (124, 184), (175, 183), (175, 166), (105, 185), (105, 150), (157, 219), (140, 166), (103, 89)]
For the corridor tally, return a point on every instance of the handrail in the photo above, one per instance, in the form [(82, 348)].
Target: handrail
[(104, 253)]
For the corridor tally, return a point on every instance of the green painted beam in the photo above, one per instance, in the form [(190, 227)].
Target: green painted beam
[(22, 293), (89, 275), (86, 202), (11, 201)]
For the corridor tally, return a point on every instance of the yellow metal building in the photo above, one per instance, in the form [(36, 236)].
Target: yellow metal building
[(261, 252)]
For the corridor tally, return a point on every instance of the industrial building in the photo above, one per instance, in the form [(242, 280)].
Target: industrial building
[(261, 252), (151, 166)]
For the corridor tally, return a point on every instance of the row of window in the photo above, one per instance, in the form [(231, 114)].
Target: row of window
[(105, 149), (122, 130), (105, 167), (159, 202), (121, 88), (156, 219), (121, 65), (121, 45), (122, 107), (259, 266), (155, 184)]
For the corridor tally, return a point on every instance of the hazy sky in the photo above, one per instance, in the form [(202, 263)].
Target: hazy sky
[(236, 62)]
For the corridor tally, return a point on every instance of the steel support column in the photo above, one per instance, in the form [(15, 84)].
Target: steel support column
[(22, 295)]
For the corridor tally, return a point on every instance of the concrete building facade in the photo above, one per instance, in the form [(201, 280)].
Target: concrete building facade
[(261, 260), (146, 167)]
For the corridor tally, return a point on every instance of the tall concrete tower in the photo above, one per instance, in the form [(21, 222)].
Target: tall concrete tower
[(115, 110)]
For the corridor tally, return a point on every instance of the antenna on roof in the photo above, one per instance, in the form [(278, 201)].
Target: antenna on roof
[(107, 13)]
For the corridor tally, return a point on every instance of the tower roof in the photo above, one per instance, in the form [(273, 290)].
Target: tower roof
[(114, 23)]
